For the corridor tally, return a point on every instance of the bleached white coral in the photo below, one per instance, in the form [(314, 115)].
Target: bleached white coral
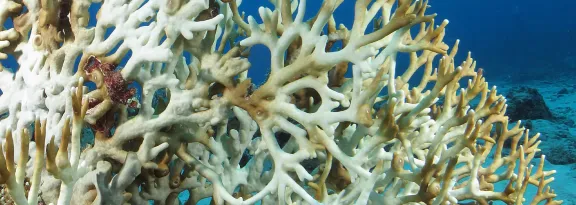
[(308, 135)]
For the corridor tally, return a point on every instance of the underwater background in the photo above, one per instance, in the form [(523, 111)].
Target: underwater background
[(526, 48)]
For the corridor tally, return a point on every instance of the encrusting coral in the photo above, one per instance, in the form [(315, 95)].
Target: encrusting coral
[(310, 134)]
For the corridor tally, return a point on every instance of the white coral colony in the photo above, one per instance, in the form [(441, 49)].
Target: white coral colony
[(378, 136)]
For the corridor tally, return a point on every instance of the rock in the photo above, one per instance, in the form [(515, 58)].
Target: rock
[(563, 152), (526, 103), (558, 144), (562, 91)]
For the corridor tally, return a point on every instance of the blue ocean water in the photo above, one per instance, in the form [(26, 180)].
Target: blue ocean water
[(530, 43)]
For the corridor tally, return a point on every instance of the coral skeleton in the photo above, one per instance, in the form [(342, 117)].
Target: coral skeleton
[(164, 87)]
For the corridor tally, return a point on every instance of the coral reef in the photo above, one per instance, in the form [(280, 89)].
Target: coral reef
[(377, 136)]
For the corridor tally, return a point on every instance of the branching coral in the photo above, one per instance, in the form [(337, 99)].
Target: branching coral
[(309, 134)]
